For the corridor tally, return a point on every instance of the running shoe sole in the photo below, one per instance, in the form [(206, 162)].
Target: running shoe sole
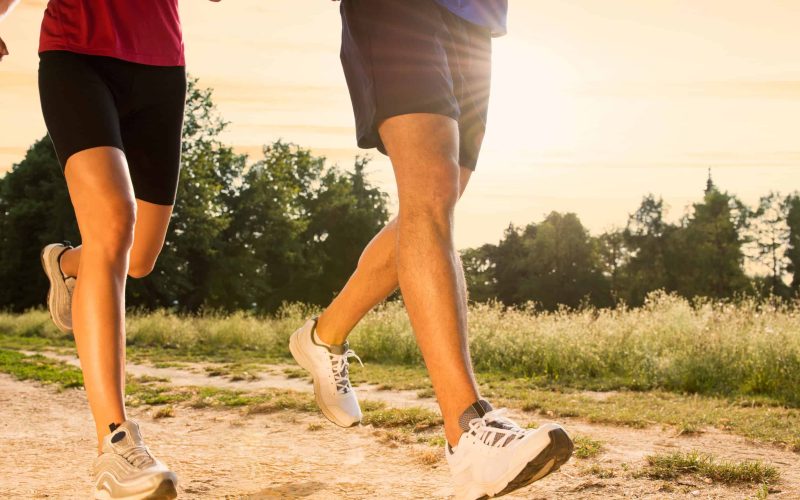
[(165, 491), (305, 363), (546, 462)]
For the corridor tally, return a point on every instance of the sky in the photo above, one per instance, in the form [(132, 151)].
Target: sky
[(594, 104)]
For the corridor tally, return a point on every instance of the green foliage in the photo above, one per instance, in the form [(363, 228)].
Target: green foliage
[(34, 210), (792, 207), (768, 236), (552, 263), (707, 249), (645, 243), (296, 233)]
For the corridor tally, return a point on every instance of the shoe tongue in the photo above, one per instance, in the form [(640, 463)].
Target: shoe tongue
[(126, 435), (476, 410)]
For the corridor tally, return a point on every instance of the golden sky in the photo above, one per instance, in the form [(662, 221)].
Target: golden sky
[(594, 103)]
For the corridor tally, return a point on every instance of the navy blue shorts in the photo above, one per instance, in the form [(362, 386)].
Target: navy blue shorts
[(414, 56)]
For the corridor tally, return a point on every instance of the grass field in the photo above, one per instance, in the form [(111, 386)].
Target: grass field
[(742, 350), (735, 367)]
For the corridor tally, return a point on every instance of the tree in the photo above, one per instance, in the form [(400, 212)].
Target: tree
[(709, 246), (769, 236), (480, 271), (792, 253), (552, 263), (344, 214), (645, 236), (563, 265), (510, 264), (296, 232), (614, 256), (34, 210)]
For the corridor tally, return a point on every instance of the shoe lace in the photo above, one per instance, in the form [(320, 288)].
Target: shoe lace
[(138, 456), (495, 429), (341, 369)]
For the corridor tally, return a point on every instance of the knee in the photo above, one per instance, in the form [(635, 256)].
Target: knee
[(430, 209), (113, 234)]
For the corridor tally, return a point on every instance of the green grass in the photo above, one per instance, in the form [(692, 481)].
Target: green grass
[(673, 465), (772, 424), (40, 369), (740, 349), (418, 419), (586, 447), (743, 349)]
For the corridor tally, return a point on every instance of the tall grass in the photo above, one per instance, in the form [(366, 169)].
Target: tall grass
[(744, 349)]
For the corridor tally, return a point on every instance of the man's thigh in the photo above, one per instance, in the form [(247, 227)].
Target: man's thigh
[(423, 149)]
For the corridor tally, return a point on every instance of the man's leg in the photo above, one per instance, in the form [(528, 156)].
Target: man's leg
[(424, 149), (374, 279)]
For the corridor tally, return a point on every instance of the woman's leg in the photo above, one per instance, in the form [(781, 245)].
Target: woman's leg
[(152, 221), (102, 196)]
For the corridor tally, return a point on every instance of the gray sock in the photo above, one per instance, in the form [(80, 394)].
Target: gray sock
[(476, 410)]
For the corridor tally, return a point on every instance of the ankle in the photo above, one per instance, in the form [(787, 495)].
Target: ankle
[(452, 435), (66, 264), (327, 335)]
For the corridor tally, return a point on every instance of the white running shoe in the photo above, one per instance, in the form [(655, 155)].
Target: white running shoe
[(495, 456), (329, 368), (126, 470), (59, 297)]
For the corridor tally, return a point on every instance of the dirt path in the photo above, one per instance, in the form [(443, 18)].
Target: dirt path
[(226, 454), (272, 378)]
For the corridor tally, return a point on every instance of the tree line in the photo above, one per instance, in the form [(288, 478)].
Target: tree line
[(707, 253), (287, 227)]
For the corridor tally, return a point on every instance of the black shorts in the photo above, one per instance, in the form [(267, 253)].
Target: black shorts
[(92, 101), (414, 56)]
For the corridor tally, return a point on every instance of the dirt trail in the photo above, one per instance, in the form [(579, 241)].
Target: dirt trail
[(274, 378), (226, 454)]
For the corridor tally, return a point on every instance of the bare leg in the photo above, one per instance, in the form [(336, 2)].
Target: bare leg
[(148, 239), (423, 149), (374, 279), (102, 195), (98, 301)]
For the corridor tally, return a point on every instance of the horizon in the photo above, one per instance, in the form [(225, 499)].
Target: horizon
[(611, 104)]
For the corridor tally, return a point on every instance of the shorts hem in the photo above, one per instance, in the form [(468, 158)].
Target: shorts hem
[(75, 150), (373, 138)]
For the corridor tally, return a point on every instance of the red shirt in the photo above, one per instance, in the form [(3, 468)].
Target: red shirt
[(140, 31)]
